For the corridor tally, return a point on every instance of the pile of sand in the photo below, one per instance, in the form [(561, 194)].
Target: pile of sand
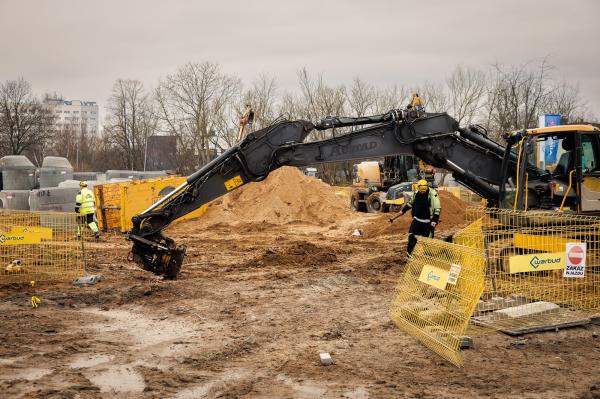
[(452, 216), (285, 196)]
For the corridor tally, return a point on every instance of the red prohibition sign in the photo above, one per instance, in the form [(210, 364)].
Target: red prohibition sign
[(575, 255)]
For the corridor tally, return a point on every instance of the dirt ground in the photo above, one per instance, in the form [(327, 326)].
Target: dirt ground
[(254, 305)]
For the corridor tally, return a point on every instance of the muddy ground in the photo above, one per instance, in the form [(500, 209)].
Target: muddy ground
[(255, 304), (248, 317)]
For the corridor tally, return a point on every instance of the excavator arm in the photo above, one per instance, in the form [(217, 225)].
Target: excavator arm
[(437, 139)]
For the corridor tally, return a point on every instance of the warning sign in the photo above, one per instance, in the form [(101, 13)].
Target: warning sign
[(575, 261), (454, 272)]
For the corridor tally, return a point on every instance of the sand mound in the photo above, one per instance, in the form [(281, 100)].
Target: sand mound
[(285, 196), (453, 215)]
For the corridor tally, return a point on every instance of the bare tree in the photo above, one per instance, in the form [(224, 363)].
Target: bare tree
[(191, 105), (434, 97), (393, 97), (517, 96), (466, 93), (130, 121), (318, 100), (566, 100), (262, 97), (361, 97), (24, 122)]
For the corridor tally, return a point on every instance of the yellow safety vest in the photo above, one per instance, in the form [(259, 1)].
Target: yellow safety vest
[(85, 201)]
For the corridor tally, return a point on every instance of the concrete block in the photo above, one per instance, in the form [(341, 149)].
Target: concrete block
[(466, 342), (495, 303), (529, 309), (325, 358)]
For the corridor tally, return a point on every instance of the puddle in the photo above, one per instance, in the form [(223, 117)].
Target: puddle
[(118, 379), (357, 393), (143, 330), (90, 361), (202, 391), (7, 361), (304, 390), (26, 374)]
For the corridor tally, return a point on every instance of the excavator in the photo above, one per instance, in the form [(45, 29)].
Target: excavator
[(507, 176)]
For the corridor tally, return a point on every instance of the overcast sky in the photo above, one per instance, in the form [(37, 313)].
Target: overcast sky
[(78, 48)]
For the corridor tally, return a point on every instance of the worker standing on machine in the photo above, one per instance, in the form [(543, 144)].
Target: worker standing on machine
[(416, 103), (246, 122), (426, 207), (86, 206)]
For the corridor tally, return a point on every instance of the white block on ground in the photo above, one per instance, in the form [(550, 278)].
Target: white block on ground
[(529, 309), (325, 358)]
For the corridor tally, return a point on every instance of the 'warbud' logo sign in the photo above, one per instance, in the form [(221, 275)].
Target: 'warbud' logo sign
[(537, 262), (434, 276), (21, 235)]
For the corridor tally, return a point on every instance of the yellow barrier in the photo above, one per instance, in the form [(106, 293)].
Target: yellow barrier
[(538, 264), (40, 246), (117, 203), (437, 294)]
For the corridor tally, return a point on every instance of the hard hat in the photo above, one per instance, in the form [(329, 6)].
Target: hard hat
[(82, 184), (423, 185)]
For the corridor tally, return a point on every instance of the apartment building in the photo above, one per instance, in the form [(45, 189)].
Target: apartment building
[(78, 116)]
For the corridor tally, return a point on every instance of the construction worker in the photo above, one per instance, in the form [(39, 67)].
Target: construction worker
[(426, 207), (246, 122), (416, 103), (85, 206)]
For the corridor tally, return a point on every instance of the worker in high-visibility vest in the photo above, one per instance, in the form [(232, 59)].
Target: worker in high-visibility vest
[(425, 207), (86, 206)]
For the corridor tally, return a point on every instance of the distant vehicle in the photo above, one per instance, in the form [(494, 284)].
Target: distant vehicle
[(310, 172), (372, 181)]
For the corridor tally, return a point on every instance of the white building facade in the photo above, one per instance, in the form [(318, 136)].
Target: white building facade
[(80, 117)]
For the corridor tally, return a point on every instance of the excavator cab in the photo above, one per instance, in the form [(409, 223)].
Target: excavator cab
[(557, 168)]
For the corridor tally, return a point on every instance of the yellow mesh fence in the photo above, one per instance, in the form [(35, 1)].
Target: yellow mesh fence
[(117, 203), (543, 268), (437, 294), (40, 246)]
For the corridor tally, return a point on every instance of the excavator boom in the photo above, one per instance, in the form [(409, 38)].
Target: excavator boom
[(436, 138)]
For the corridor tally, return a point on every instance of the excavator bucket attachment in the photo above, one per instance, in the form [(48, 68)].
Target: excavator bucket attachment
[(163, 259)]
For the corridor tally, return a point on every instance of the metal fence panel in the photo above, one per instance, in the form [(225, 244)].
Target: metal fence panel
[(534, 274), (40, 246), (437, 294)]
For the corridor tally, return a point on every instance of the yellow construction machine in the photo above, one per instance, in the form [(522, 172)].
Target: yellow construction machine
[(384, 186), (507, 176)]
